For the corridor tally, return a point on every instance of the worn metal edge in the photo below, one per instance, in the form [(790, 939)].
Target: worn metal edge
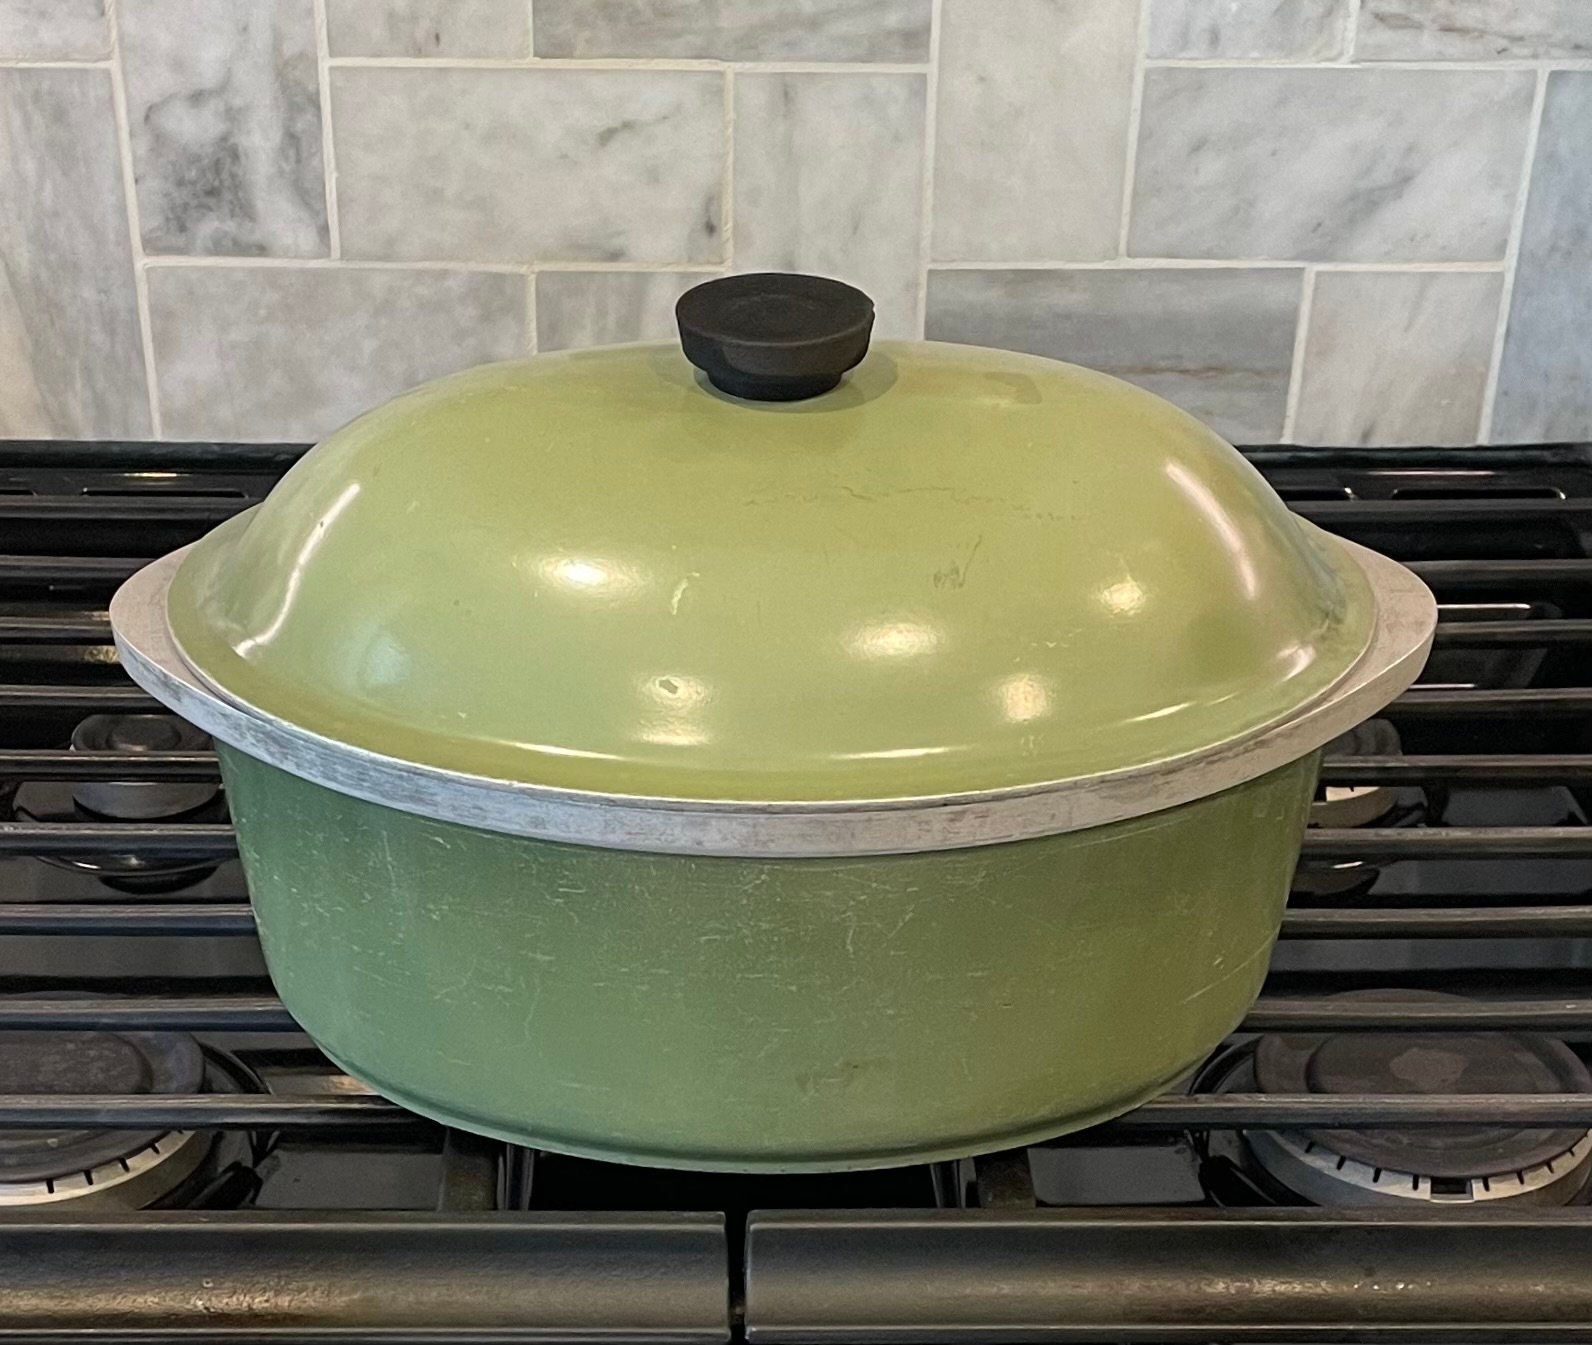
[(1405, 621)]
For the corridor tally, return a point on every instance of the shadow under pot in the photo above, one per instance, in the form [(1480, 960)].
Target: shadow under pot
[(819, 756)]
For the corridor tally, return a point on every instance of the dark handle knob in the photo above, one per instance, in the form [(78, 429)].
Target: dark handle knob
[(773, 337)]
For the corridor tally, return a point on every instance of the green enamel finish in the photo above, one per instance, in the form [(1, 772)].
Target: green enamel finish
[(962, 570), (776, 1015)]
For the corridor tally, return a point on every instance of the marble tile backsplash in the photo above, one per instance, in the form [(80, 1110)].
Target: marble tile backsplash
[(304, 348), (224, 115), (1356, 222), (71, 357), (507, 166), (1218, 343), (1419, 165)]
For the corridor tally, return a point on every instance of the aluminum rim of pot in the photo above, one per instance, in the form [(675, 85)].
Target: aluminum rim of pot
[(1283, 638)]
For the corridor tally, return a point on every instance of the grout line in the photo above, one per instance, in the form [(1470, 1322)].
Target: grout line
[(830, 67), (135, 236), (1216, 264), (371, 264), (608, 268), (931, 122), (1296, 368), (531, 338), (1227, 63), (334, 233), (29, 63), (530, 29), (727, 180), (1130, 158), (164, 260), (625, 63), (1351, 31), (1517, 223)]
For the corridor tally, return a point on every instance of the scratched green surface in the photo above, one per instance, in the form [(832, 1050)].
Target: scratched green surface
[(777, 1015), (963, 569)]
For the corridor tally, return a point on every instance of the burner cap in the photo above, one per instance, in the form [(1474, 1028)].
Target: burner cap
[(137, 733), (1428, 1063), (1369, 738), (140, 800), (1359, 805), (67, 1063)]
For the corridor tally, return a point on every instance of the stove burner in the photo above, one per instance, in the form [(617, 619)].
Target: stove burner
[(141, 800), (119, 1169), (129, 801), (1460, 1164), (1359, 806)]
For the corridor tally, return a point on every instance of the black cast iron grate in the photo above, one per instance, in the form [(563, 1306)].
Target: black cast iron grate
[(1504, 536)]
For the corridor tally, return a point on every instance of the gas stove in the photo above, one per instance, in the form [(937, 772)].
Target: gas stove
[(1396, 1143)]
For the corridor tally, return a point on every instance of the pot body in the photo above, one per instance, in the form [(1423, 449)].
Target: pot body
[(765, 1015)]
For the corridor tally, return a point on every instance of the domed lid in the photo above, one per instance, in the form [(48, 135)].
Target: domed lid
[(955, 570)]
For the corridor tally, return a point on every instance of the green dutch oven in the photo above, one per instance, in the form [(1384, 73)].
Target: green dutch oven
[(772, 754)]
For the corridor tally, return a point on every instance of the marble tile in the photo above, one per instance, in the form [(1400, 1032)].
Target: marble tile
[(601, 308), (1329, 165), (224, 110), (1545, 377), (54, 30), (529, 165), (428, 27), (71, 357), (1297, 30), (736, 30), (829, 179), (1472, 30), (1219, 343), (1031, 129), (287, 352), (1397, 358)]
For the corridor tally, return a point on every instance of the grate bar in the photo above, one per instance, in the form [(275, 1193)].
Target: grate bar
[(222, 919), (1479, 769), (209, 919), (1128, 1277), (1457, 922), (1433, 702), (415, 1278), (1279, 1014), (193, 1111), (191, 454), (62, 628), (87, 510), (197, 840), (119, 766), (1473, 572), (67, 569), (257, 1111), (1477, 509), (84, 700), (1488, 634), (251, 1013), (1310, 1110), (184, 1013), (1448, 842)]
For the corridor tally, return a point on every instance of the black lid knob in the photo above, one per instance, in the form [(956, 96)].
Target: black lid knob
[(772, 337)]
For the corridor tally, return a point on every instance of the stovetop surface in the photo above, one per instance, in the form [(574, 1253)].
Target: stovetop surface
[(1441, 923)]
